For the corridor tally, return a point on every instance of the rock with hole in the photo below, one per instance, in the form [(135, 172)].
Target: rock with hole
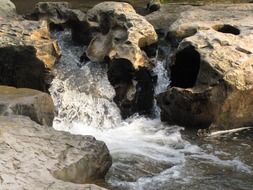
[(212, 72)]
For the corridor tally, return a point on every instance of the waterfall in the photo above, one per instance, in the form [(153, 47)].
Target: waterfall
[(147, 154)]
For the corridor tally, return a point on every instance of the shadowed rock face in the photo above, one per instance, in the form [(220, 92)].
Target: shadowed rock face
[(59, 15), (212, 75), (27, 54), (38, 157), (134, 89)]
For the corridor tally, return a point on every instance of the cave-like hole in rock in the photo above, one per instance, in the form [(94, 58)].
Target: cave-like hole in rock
[(226, 28), (185, 70)]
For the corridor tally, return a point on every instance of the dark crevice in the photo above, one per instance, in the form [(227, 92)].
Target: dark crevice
[(185, 70), (19, 67), (226, 28), (121, 75)]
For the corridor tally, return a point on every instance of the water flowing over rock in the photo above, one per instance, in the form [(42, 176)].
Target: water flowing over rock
[(27, 53), (212, 75), (31, 103), (38, 157)]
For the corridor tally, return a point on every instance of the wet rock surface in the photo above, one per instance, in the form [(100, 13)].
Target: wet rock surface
[(212, 75), (34, 104), (38, 157)]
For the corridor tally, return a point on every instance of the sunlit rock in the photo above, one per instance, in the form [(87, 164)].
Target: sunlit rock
[(28, 53), (122, 33), (212, 75), (34, 156), (59, 15)]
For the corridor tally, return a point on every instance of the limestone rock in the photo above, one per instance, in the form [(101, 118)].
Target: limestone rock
[(122, 33), (32, 103), (60, 15), (7, 9), (212, 75), (28, 53), (38, 157)]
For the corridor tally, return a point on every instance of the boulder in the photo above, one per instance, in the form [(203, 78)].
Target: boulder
[(59, 15), (38, 157), (212, 73), (7, 9), (28, 102), (121, 36), (122, 33), (28, 53)]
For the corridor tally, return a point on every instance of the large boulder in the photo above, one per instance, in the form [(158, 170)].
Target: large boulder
[(38, 157), (28, 53), (28, 102), (60, 15), (212, 74), (122, 33), (7, 9), (120, 36)]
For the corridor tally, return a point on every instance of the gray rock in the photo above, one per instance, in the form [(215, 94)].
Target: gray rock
[(212, 75), (38, 157), (7, 9), (32, 103)]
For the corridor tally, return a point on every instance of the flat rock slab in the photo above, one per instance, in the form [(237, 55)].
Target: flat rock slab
[(38, 157)]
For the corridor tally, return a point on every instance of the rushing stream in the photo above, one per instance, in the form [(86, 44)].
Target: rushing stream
[(147, 154)]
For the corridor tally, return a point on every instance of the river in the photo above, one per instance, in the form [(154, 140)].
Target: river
[(147, 154)]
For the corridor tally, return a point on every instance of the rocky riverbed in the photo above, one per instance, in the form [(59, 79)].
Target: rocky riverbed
[(108, 76)]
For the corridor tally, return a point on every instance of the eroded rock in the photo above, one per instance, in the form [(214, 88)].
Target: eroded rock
[(31, 103), (28, 53), (212, 77), (38, 157), (122, 33), (59, 15)]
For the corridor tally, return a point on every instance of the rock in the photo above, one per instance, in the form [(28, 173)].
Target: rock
[(59, 15), (154, 5), (212, 75), (7, 9), (122, 33), (28, 53), (32, 103), (38, 157)]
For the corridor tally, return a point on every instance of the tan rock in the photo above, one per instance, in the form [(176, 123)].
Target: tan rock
[(32, 103), (28, 53), (122, 33), (213, 71), (34, 156)]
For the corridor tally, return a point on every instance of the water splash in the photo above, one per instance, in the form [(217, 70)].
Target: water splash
[(147, 154)]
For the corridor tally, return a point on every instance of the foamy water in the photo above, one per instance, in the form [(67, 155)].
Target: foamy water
[(147, 154)]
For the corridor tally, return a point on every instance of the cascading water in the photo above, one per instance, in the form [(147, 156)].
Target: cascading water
[(147, 154)]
